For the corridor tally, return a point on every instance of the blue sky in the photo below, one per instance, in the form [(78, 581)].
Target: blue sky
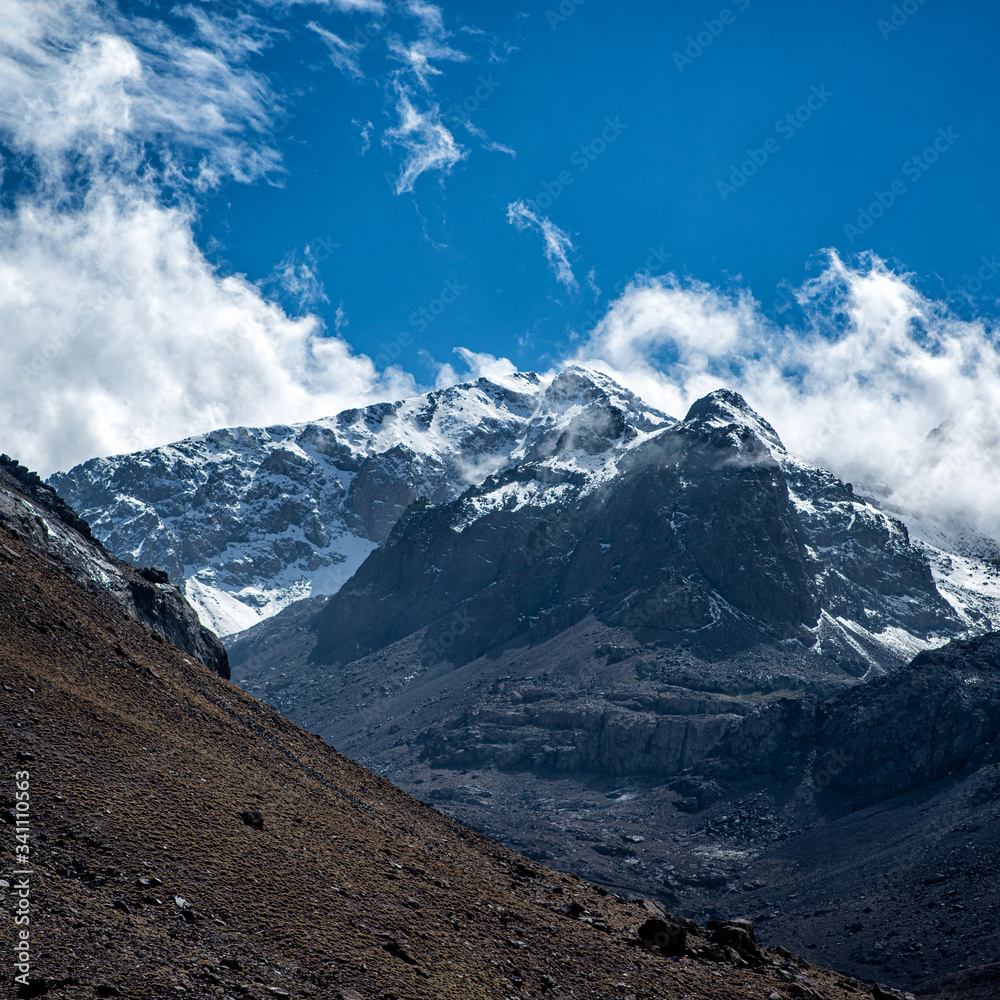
[(227, 212), (685, 122)]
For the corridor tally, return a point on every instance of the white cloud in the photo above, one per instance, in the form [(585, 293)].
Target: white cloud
[(858, 387), (343, 55), (344, 6), (118, 333), (429, 14), (487, 143), (349, 6), (297, 281), (418, 41), (427, 142), (80, 82), (364, 134), (425, 139), (480, 364), (592, 283), (557, 244), (417, 56)]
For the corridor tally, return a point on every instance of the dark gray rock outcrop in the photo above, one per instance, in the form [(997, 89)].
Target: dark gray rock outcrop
[(938, 716)]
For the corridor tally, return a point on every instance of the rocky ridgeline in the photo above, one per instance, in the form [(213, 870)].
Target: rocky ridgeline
[(254, 518), (34, 510)]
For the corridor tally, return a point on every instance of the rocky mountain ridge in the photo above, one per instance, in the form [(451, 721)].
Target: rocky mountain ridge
[(34, 510), (694, 530), (254, 518)]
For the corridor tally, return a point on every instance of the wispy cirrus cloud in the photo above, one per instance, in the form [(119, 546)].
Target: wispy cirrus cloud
[(556, 243), (343, 54), (84, 86), (344, 6), (426, 141)]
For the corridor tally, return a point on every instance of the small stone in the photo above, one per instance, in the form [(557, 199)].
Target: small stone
[(398, 951), (253, 818), (880, 992)]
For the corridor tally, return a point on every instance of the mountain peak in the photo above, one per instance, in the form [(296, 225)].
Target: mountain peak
[(726, 410), (585, 410)]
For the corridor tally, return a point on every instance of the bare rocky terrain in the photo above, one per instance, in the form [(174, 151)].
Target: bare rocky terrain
[(679, 682), (863, 826), (187, 839), (662, 655)]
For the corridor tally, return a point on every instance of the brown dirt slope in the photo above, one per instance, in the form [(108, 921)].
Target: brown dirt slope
[(141, 763)]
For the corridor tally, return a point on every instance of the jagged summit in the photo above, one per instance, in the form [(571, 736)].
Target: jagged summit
[(253, 518), (584, 412), (730, 413)]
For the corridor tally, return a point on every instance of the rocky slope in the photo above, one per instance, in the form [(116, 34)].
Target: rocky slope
[(33, 510), (184, 838)]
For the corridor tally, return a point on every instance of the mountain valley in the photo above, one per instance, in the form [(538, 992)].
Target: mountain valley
[(631, 646)]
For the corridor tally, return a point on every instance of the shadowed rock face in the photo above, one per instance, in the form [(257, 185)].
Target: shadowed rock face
[(33, 509), (694, 535), (938, 716)]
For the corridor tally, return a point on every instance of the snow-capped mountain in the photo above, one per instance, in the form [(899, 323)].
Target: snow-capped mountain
[(703, 531), (252, 519)]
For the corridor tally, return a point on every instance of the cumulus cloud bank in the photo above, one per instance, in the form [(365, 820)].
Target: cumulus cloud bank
[(118, 333), (877, 382)]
